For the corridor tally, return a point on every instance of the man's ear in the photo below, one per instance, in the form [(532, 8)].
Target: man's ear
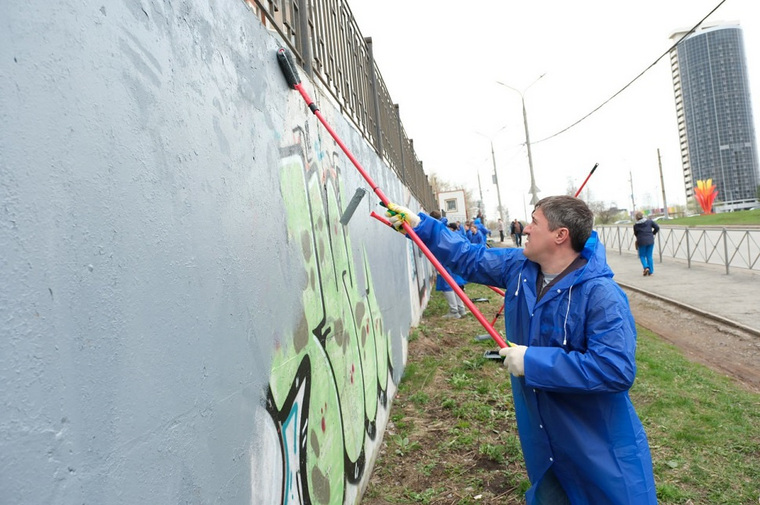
[(562, 236)]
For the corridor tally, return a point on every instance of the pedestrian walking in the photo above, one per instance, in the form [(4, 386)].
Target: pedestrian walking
[(644, 229)]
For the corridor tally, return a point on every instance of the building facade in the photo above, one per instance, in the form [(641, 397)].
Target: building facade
[(716, 129), (453, 205)]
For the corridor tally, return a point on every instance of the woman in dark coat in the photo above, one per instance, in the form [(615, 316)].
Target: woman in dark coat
[(645, 229)]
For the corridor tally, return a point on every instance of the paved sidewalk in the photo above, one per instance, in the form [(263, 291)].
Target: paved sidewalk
[(705, 288)]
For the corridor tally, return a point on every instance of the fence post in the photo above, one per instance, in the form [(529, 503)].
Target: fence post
[(725, 248), (688, 249), (659, 247), (401, 150), (304, 15), (375, 97)]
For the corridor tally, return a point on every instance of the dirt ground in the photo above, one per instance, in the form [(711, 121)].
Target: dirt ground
[(721, 347)]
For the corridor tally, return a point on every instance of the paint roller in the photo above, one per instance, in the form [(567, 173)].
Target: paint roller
[(352, 205)]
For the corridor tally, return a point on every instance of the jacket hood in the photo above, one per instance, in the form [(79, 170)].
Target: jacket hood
[(596, 256)]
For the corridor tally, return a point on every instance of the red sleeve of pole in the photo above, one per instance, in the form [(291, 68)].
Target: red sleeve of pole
[(497, 290), (451, 282), (465, 299), (475, 312)]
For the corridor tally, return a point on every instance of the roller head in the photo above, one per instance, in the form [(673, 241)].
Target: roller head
[(288, 67), (351, 207)]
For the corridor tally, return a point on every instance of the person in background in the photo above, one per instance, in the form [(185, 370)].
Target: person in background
[(456, 305), (644, 229), (516, 230), (501, 230), (459, 229), (478, 221), (572, 359), (457, 308), (476, 236), (460, 281)]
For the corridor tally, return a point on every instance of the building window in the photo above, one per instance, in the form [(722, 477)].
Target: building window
[(451, 205)]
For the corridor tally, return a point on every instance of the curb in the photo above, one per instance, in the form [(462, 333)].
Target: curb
[(694, 310)]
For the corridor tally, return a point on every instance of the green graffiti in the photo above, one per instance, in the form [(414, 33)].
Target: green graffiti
[(340, 337)]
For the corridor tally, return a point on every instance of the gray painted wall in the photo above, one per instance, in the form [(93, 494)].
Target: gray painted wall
[(182, 317)]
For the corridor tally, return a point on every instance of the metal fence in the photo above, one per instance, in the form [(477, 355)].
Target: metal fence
[(327, 43), (725, 246)]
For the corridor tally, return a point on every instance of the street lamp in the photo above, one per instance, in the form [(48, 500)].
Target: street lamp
[(495, 175), (533, 188), (496, 181), (480, 202)]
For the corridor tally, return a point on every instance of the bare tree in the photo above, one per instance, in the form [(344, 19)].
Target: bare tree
[(436, 183), (571, 188), (604, 214)]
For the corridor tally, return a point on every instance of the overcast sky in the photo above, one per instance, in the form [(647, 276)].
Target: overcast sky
[(441, 61)]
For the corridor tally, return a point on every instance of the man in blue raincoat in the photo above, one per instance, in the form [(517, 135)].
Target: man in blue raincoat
[(573, 356)]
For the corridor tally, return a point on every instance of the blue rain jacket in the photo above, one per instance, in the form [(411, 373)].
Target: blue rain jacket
[(442, 285), (478, 238), (572, 406)]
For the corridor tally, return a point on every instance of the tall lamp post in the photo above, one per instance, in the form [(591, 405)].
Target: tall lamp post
[(496, 181), (495, 175), (480, 202), (533, 188)]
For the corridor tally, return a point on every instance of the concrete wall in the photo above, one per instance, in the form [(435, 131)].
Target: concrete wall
[(182, 317)]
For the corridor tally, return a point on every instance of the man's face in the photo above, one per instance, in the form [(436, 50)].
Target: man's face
[(539, 240)]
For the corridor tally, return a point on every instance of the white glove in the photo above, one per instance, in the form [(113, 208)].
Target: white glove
[(397, 214), (514, 359)]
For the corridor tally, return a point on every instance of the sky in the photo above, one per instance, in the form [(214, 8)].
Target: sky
[(442, 62)]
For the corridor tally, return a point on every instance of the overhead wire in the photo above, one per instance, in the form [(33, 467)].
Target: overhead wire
[(663, 55)]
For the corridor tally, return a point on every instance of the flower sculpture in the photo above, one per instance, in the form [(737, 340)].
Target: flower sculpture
[(706, 194)]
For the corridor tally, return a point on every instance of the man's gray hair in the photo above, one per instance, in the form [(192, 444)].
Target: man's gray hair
[(568, 212)]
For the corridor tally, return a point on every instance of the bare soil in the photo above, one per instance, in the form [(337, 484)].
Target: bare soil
[(724, 348)]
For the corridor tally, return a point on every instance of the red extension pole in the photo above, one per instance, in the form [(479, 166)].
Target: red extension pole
[(585, 181), (288, 68), (497, 290)]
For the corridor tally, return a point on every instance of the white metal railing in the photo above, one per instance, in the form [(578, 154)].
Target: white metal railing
[(729, 247)]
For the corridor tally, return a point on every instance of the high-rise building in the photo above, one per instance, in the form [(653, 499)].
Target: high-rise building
[(714, 111)]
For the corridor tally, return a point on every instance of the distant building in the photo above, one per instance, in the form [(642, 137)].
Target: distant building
[(715, 125), (453, 205)]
